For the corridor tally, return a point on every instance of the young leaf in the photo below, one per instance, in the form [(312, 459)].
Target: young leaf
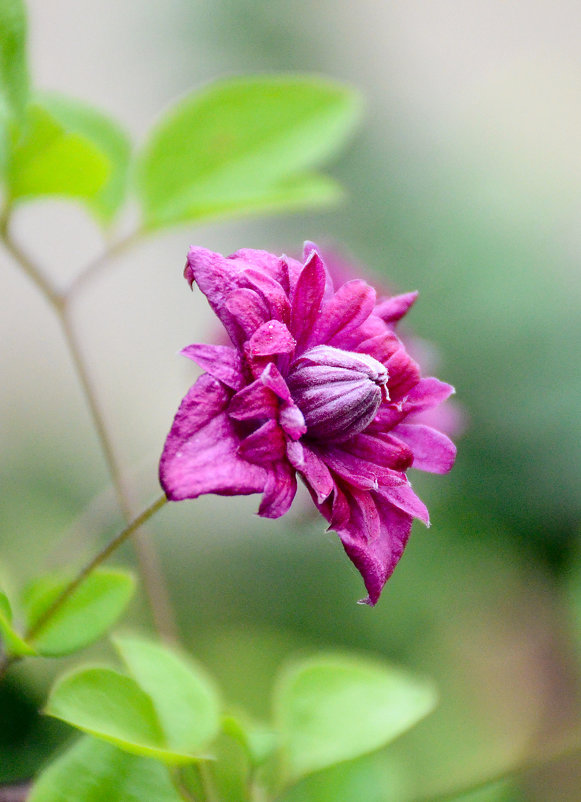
[(14, 82), (334, 708), (243, 145), (104, 133), (95, 771), (84, 617), (48, 159), (184, 699), (113, 707), (14, 644)]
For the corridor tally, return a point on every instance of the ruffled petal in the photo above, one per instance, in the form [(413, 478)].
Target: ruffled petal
[(404, 498), (404, 374), (279, 492), (266, 444), (220, 361), (306, 302), (254, 401), (201, 451), (360, 473), (269, 339), (349, 307), (314, 471), (394, 308), (380, 449), (427, 393), (248, 309), (433, 451)]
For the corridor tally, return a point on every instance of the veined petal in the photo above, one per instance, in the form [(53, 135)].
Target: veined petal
[(280, 490), (427, 393), (404, 498), (315, 473), (201, 451), (433, 451), (307, 299), (248, 309), (380, 449), (254, 401), (270, 338), (404, 374), (346, 310), (394, 308), (272, 292), (266, 444), (220, 361), (381, 347), (358, 472)]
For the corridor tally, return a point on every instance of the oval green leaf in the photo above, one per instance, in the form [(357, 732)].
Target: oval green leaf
[(85, 616), (95, 771), (107, 136), (14, 81), (47, 159), (184, 698), (111, 706), (14, 644), (334, 708), (243, 145)]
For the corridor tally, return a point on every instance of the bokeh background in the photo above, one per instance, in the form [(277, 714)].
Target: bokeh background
[(464, 182)]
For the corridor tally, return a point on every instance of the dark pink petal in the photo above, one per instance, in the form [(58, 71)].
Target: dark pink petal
[(270, 338), (346, 310), (254, 401), (292, 421), (364, 515), (358, 472), (269, 264), (248, 309), (279, 492), (272, 379), (220, 361), (376, 559), (201, 451), (404, 498), (266, 444), (272, 292), (307, 300), (381, 347), (426, 394), (315, 473), (388, 416), (433, 451), (380, 449), (404, 374), (394, 308)]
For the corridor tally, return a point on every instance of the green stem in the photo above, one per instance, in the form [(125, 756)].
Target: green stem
[(147, 558)]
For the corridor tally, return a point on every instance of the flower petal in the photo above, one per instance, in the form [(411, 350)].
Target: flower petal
[(220, 361), (358, 472), (349, 307), (381, 450), (306, 302), (266, 444), (272, 292), (404, 374), (433, 451), (426, 394), (254, 401), (248, 309), (381, 347), (270, 338), (314, 471), (404, 498), (201, 451), (394, 308), (279, 492)]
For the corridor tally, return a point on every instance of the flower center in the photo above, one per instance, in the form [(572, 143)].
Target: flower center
[(338, 392)]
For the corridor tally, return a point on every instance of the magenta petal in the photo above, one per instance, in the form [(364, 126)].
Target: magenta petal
[(404, 498), (376, 559), (404, 374), (248, 309), (426, 394), (220, 361), (315, 473), (279, 492), (358, 472), (253, 401), (200, 452), (272, 292), (292, 421), (270, 338), (306, 303), (394, 308), (380, 449), (433, 451), (364, 515), (266, 444), (272, 379), (381, 347), (349, 307)]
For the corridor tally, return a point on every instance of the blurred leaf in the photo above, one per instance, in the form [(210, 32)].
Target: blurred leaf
[(231, 770), (243, 145), (334, 708), (49, 159), (107, 136), (14, 83), (185, 700), (94, 771), (14, 644), (113, 707), (84, 617), (258, 740), (503, 791)]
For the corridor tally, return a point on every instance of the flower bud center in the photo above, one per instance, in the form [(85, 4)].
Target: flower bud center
[(338, 392)]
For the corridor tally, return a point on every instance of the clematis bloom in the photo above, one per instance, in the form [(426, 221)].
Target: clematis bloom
[(317, 383)]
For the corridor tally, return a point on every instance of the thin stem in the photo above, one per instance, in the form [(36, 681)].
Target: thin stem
[(560, 751), (147, 558), (95, 562), (98, 264)]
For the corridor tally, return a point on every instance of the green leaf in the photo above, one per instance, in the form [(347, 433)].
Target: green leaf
[(231, 770), (95, 771), (85, 616), (184, 698), (47, 159), (113, 707), (14, 644), (258, 740), (14, 82), (244, 145), (335, 708), (107, 136)]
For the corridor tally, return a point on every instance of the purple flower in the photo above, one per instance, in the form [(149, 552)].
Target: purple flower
[(316, 382)]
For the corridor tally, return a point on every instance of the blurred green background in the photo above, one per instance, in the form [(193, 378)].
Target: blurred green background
[(464, 182)]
